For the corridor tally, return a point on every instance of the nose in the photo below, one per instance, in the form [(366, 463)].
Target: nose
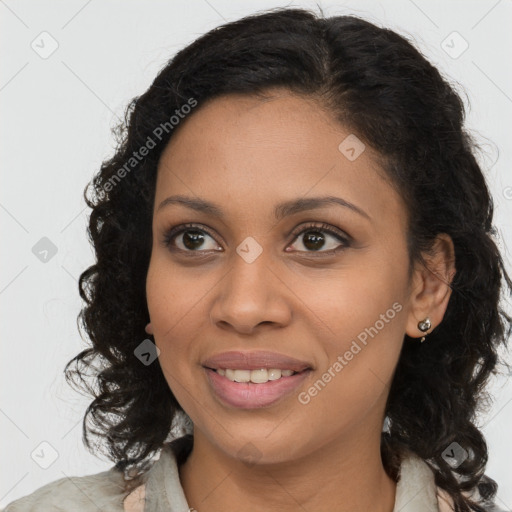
[(250, 295)]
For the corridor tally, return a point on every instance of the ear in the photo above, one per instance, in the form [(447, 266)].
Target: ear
[(149, 328), (430, 289)]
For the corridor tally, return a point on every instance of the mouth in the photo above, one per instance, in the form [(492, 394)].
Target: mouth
[(252, 380)]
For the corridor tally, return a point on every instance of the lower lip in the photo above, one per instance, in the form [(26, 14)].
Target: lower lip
[(247, 395)]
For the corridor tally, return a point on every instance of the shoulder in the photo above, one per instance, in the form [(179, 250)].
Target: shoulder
[(417, 487), (106, 491), (101, 491), (446, 504)]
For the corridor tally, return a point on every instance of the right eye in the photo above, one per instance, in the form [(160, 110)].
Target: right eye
[(188, 238)]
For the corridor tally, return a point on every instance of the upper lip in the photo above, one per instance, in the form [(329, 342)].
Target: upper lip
[(243, 360)]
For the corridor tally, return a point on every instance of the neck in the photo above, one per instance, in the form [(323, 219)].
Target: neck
[(341, 475)]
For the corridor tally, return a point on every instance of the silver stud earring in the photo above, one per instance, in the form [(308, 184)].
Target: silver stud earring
[(424, 327)]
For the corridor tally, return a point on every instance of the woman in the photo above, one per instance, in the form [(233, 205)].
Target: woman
[(295, 303)]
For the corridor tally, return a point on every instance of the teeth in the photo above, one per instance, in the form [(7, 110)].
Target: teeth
[(255, 376), (274, 374), (259, 376), (242, 376)]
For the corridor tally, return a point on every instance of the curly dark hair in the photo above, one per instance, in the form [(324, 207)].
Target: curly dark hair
[(377, 84)]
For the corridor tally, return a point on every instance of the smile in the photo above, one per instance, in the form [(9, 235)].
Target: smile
[(236, 388)]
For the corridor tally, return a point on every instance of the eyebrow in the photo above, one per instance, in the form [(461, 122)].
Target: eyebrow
[(281, 210)]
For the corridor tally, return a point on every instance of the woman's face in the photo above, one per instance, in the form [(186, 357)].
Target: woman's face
[(322, 282)]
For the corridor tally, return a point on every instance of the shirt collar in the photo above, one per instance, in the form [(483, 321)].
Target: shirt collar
[(415, 491)]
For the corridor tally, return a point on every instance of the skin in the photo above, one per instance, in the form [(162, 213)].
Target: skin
[(247, 154)]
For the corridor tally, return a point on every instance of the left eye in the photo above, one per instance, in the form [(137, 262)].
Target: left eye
[(313, 238)]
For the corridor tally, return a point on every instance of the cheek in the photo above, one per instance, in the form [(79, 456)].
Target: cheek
[(353, 380), (167, 308), (176, 304), (363, 312), (173, 294), (346, 302)]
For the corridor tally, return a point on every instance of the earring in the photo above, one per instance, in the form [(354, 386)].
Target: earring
[(424, 327)]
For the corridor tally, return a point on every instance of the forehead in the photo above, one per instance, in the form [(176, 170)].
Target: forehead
[(240, 150)]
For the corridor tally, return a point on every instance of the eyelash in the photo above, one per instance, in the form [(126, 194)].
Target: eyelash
[(312, 226)]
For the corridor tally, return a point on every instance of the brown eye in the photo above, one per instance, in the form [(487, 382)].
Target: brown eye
[(192, 239), (323, 239), (189, 238)]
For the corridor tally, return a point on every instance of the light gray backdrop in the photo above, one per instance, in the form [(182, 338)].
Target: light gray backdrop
[(68, 70)]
